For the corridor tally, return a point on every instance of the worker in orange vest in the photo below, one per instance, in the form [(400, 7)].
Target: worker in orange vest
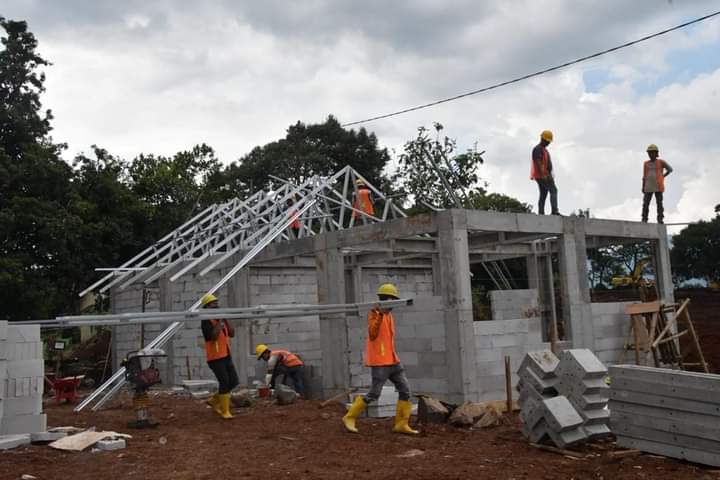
[(384, 363), (296, 225), (654, 172), (217, 334), (363, 200), (541, 170), (282, 362)]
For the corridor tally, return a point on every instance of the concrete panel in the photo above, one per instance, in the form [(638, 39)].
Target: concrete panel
[(670, 450), (23, 424)]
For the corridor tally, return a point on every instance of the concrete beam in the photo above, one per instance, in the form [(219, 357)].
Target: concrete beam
[(575, 287), (617, 228), (513, 222), (239, 296)]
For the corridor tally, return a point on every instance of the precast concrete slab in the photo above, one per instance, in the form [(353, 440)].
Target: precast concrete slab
[(670, 450), (542, 363), (12, 441)]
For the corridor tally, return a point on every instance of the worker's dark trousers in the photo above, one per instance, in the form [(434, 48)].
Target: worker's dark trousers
[(394, 373), (293, 373), (547, 185), (646, 206), (225, 373)]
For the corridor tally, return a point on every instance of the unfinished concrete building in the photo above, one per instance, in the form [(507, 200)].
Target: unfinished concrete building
[(429, 257)]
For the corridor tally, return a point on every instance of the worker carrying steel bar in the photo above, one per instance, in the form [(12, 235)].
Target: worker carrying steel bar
[(217, 334), (282, 363), (654, 172), (384, 363), (541, 170), (363, 200)]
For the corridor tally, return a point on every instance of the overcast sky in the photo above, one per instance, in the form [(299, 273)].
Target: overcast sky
[(159, 76)]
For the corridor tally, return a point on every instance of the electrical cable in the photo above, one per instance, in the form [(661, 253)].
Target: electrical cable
[(535, 74)]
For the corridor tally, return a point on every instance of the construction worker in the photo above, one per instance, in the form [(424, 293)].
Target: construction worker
[(363, 199), (384, 363), (654, 172), (296, 225), (282, 362), (217, 335), (541, 170)]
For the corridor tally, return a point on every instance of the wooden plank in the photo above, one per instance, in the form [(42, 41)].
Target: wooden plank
[(640, 308), (625, 453), (696, 341), (337, 398), (560, 451), (80, 441)]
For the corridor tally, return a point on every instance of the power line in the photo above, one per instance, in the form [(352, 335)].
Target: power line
[(535, 74)]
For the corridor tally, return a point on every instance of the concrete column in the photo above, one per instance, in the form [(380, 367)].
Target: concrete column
[(453, 271), (663, 274), (575, 286), (239, 296), (335, 364)]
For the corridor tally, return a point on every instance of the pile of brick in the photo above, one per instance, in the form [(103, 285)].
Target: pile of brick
[(563, 399), (666, 412), (21, 383)]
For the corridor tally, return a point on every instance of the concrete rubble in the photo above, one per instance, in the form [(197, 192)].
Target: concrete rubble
[(666, 412), (563, 399)]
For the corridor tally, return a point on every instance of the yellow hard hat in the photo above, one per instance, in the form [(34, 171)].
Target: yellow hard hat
[(359, 181), (388, 289), (260, 349), (547, 135), (208, 298), (652, 148)]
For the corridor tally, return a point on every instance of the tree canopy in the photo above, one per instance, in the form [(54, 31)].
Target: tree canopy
[(696, 251)]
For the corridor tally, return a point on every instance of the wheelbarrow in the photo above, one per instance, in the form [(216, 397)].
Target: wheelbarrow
[(65, 388)]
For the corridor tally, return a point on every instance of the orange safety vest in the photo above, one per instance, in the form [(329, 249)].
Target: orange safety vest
[(544, 167), (363, 202), (296, 224), (658, 173), (381, 351), (220, 347), (287, 358)]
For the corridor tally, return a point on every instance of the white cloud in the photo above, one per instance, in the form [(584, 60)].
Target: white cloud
[(161, 76)]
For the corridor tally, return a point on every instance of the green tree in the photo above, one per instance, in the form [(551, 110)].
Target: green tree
[(174, 187), (307, 150), (35, 188), (425, 159), (696, 251)]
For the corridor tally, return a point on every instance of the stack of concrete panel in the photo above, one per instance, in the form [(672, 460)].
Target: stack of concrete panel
[(21, 380), (581, 379), (666, 412), (544, 413)]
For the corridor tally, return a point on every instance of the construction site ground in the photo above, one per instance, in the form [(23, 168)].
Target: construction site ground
[(302, 441)]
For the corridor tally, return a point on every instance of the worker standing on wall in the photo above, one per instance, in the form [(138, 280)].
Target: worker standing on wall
[(217, 334), (282, 362), (384, 363), (654, 172), (363, 200), (541, 170)]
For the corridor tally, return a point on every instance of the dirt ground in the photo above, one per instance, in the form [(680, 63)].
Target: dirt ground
[(305, 442)]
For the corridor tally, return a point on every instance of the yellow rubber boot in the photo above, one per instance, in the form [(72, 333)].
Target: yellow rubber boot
[(214, 402), (356, 409), (402, 417), (225, 405)]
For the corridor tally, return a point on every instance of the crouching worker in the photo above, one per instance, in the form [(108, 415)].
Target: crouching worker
[(384, 365), (282, 362), (217, 334)]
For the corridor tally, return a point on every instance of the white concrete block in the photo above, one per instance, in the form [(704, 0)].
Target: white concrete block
[(109, 445), (31, 405), (25, 368), (23, 333), (11, 441), (46, 437), (23, 424)]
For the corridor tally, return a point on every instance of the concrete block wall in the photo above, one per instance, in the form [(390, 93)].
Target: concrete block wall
[(511, 304), (21, 380), (420, 344), (410, 282), (610, 329), (494, 340), (300, 335)]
